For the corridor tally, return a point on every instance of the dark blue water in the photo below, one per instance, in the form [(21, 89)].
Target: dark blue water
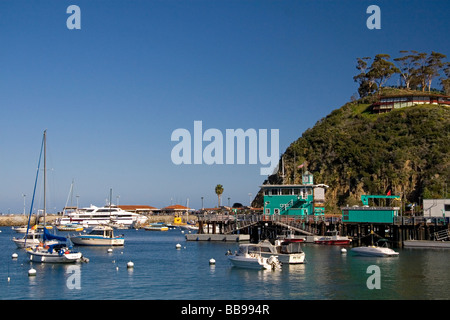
[(163, 272)]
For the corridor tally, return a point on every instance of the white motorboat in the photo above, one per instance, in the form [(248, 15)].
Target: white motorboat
[(31, 239), (375, 251), (99, 236), (93, 216), (22, 229), (286, 251), (333, 238), (249, 256)]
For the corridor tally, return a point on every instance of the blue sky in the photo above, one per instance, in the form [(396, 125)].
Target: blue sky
[(111, 94)]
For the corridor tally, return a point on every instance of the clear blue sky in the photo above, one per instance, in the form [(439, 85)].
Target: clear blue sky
[(111, 94)]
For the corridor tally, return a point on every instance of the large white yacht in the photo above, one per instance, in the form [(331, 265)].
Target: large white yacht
[(93, 216)]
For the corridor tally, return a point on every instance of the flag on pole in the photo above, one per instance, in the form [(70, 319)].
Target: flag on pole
[(389, 193), (301, 166)]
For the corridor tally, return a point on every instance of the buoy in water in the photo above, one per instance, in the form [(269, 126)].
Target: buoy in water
[(178, 246), (212, 261), (110, 250), (343, 250), (130, 264), (14, 255), (31, 272)]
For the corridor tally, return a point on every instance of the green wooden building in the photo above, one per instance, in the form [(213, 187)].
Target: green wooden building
[(371, 214), (295, 199)]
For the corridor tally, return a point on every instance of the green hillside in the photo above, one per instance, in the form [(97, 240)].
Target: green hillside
[(355, 152)]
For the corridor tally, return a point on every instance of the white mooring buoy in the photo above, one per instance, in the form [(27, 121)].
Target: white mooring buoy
[(212, 261), (130, 264), (343, 250), (14, 255), (110, 250), (31, 272), (178, 246)]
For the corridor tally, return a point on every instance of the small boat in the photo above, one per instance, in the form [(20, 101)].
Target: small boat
[(286, 251), (158, 226), (289, 236), (22, 229), (375, 251), (99, 236), (58, 252), (70, 227), (333, 238), (249, 256), (31, 239)]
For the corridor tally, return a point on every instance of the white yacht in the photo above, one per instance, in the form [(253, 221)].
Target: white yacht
[(93, 216)]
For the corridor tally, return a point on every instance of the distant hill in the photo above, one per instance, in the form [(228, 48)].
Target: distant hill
[(356, 152)]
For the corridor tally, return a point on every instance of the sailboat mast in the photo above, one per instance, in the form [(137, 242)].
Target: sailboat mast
[(45, 174)]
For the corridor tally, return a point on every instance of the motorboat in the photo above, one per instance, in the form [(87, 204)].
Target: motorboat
[(70, 227), (53, 250), (31, 239), (290, 236), (286, 251), (158, 226), (99, 236), (375, 251), (21, 229), (249, 256), (333, 238), (94, 216)]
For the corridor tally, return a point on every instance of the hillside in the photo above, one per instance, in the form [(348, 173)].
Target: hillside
[(355, 152)]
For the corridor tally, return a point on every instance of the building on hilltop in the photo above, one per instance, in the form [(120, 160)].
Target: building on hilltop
[(388, 103)]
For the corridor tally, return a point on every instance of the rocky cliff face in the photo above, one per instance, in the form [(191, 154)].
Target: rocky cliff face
[(356, 152)]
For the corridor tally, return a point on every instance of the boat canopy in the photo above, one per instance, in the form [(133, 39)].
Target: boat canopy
[(48, 236)]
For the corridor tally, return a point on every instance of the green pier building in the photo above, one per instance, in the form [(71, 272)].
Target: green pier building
[(368, 214), (295, 199)]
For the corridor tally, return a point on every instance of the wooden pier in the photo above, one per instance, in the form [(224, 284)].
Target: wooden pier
[(260, 227)]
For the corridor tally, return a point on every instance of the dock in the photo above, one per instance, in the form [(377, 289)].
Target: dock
[(218, 237), (433, 232)]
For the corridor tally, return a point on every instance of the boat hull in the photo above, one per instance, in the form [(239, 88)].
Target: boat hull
[(287, 258), (374, 252), (97, 241), (45, 257), (249, 263), (333, 242)]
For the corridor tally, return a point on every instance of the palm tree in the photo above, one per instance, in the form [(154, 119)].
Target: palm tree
[(219, 191)]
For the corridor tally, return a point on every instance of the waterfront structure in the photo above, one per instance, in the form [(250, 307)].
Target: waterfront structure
[(368, 214), (295, 199), (436, 208), (387, 104)]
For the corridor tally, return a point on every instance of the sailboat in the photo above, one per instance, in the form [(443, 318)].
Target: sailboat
[(53, 252)]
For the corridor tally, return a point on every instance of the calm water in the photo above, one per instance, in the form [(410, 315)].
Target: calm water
[(162, 272)]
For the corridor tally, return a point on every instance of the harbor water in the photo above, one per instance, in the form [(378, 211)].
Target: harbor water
[(161, 271)]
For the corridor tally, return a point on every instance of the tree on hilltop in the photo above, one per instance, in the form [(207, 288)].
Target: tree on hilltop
[(382, 69)]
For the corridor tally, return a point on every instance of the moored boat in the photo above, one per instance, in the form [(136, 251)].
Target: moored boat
[(333, 238), (286, 252), (99, 236), (375, 250), (158, 226), (70, 227), (249, 256)]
